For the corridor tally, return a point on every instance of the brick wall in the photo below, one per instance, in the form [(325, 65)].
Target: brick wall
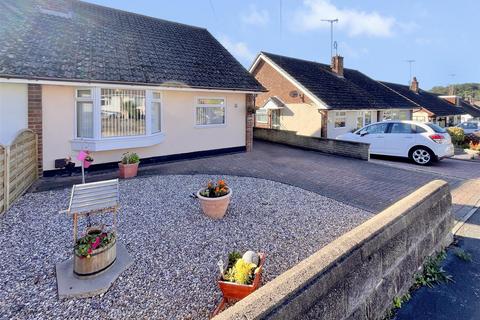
[(350, 149), (35, 119), (357, 275), (276, 85)]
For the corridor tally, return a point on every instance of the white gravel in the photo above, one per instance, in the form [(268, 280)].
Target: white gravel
[(174, 246)]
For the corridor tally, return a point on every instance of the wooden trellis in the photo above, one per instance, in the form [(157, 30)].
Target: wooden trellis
[(18, 167)]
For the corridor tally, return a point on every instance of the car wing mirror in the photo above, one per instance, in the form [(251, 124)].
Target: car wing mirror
[(363, 133)]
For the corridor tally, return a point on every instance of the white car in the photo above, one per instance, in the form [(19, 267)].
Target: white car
[(421, 142), (469, 126)]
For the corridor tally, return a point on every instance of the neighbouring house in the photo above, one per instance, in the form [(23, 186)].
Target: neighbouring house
[(320, 100), (88, 77), (430, 107), (472, 112)]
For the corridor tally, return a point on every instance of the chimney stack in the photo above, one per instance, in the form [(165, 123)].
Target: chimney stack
[(414, 85), (337, 65)]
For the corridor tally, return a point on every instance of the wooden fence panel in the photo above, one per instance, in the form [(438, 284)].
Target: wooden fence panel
[(19, 167)]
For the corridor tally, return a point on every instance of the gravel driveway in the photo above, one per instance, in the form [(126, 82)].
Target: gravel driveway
[(175, 248)]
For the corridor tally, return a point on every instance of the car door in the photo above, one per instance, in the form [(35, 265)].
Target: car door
[(375, 135), (399, 139)]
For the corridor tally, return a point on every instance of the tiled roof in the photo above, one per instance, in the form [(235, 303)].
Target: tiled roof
[(426, 100), (474, 111), (87, 42), (353, 91)]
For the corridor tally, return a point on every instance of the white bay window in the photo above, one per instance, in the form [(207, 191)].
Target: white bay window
[(111, 118)]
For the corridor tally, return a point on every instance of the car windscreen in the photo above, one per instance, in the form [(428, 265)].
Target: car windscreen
[(436, 128)]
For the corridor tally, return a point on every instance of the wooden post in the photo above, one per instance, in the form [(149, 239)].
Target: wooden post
[(75, 226)]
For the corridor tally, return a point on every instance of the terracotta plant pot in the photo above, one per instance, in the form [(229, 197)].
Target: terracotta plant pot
[(214, 208), (234, 291), (128, 170)]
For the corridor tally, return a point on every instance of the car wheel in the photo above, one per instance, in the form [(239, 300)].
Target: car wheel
[(422, 156)]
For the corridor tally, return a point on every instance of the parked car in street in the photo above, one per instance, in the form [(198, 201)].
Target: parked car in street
[(423, 143), (469, 126)]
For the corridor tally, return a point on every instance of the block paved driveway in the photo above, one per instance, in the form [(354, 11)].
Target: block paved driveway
[(366, 185)]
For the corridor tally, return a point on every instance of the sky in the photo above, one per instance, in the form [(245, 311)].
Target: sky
[(375, 37)]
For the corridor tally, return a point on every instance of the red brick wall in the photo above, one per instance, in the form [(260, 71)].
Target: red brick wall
[(35, 119), (250, 105), (276, 85)]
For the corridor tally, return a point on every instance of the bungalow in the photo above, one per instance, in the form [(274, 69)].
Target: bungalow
[(430, 107), (319, 100), (88, 77), (472, 112)]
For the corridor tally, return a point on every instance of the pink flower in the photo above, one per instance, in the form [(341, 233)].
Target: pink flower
[(96, 243), (90, 251)]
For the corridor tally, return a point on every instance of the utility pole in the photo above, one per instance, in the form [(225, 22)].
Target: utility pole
[(410, 63), (452, 85), (331, 21)]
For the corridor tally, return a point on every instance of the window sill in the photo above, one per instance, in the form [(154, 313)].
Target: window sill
[(117, 142), (206, 126)]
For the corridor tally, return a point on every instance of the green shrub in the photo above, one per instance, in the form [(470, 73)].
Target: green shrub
[(130, 157), (457, 134)]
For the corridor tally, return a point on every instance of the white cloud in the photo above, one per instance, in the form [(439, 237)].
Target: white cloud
[(256, 17), (351, 52), (354, 22), (239, 49)]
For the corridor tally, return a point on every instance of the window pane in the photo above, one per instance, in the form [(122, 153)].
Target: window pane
[(156, 117), (436, 128), (123, 112), (84, 93), (210, 115), (156, 95), (368, 118), (340, 119), (359, 120), (401, 128), (261, 115), (211, 101), (84, 119), (377, 128)]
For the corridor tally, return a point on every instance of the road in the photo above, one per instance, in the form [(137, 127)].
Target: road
[(454, 300)]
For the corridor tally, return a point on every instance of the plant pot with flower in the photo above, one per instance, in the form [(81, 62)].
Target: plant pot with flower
[(214, 199), (242, 276), (129, 165), (94, 252)]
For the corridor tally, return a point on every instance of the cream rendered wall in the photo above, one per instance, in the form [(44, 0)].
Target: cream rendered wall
[(13, 110), (351, 123), (301, 117), (181, 135)]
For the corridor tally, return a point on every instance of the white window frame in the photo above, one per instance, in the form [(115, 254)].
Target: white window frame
[(266, 114), (196, 104), (362, 114), (149, 102), (337, 116), (99, 143)]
